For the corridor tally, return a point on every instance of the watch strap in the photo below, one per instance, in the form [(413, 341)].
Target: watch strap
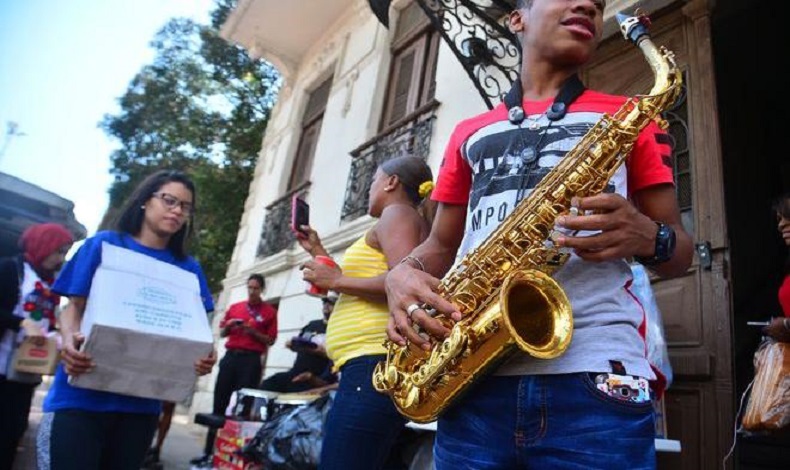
[(665, 246)]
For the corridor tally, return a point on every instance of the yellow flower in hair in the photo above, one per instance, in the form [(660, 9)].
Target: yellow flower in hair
[(425, 188)]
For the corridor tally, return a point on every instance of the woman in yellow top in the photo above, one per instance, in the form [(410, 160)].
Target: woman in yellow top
[(362, 424)]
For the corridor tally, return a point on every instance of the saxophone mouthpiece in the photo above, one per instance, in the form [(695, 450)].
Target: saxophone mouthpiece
[(634, 28)]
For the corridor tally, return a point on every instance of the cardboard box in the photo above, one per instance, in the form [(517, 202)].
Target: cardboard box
[(145, 326), (242, 429), (234, 462), (34, 359)]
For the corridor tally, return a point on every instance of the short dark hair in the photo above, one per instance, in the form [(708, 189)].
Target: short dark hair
[(523, 4), (782, 205), (259, 278), (130, 219)]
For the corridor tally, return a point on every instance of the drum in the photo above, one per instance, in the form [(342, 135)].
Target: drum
[(254, 405), (289, 401)]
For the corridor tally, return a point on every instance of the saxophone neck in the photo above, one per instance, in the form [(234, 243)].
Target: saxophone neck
[(662, 62)]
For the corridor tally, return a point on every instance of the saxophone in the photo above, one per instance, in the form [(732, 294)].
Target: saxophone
[(504, 287)]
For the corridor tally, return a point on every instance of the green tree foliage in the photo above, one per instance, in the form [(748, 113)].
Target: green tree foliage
[(202, 107)]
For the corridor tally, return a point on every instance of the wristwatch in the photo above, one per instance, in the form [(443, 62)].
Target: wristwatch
[(665, 246)]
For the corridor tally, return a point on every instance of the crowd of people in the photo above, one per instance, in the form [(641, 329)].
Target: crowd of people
[(527, 412)]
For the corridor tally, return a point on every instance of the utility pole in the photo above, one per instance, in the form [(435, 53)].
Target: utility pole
[(11, 131)]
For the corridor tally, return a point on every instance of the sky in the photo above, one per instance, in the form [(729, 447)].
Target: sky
[(63, 66)]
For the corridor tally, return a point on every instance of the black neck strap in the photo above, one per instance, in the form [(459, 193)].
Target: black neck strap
[(571, 89)]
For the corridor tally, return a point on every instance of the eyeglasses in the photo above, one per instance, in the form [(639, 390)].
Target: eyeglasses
[(171, 202)]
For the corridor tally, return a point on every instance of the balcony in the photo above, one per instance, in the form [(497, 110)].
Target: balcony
[(409, 136), (276, 234)]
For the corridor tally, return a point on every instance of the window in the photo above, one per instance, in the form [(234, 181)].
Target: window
[(311, 129), (413, 71)]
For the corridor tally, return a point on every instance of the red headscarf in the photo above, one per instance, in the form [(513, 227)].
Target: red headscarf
[(41, 240)]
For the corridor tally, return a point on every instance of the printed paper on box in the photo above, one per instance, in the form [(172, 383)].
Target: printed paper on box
[(145, 326)]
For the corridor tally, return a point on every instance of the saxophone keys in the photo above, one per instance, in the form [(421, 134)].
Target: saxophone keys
[(411, 397), (391, 377)]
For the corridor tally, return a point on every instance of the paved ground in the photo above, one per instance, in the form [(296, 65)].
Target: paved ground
[(183, 442)]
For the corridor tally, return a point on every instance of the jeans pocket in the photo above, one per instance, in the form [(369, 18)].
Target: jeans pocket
[(618, 403)]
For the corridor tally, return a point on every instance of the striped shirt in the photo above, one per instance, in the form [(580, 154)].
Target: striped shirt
[(358, 326)]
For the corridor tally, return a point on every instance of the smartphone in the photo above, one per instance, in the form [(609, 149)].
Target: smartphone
[(300, 215)]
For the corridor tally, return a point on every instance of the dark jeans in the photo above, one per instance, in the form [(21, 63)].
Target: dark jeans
[(15, 399), (88, 440), (237, 369), (545, 421), (362, 425)]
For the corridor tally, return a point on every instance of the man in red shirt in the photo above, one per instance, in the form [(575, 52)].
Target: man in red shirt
[(251, 327)]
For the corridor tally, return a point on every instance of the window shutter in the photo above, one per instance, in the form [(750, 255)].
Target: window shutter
[(303, 162), (405, 84), (312, 118)]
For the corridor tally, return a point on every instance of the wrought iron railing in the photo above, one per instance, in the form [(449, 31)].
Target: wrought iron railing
[(409, 136), (276, 234), (477, 34)]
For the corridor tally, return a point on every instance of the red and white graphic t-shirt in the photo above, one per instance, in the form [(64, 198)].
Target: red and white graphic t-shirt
[(491, 164)]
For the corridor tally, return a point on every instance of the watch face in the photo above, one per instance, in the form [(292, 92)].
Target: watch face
[(665, 243)]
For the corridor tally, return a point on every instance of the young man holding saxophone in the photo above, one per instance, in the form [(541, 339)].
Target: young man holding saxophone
[(589, 407)]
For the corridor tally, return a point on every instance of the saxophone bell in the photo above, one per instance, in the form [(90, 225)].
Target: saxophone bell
[(537, 313)]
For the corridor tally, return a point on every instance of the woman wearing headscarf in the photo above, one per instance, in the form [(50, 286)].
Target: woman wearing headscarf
[(27, 309)]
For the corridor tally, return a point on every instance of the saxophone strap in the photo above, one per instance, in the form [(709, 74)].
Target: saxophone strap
[(571, 89)]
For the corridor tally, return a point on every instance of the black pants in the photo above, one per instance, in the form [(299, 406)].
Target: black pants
[(15, 399), (88, 440), (237, 369), (283, 382)]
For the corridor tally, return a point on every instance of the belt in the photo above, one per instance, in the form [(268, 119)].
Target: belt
[(243, 352)]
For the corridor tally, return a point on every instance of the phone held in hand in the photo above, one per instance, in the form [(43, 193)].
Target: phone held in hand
[(300, 215), (301, 343)]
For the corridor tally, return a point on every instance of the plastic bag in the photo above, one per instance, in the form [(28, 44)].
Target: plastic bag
[(291, 440), (657, 352), (769, 402)]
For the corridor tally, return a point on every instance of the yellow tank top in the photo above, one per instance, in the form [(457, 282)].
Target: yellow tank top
[(358, 327)]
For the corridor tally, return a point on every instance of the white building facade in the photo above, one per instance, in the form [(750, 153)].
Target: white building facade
[(336, 60), (355, 93)]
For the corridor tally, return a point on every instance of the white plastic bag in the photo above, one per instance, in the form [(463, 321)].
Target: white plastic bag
[(657, 352)]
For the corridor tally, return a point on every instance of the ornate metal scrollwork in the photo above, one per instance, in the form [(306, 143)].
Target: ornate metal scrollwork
[(477, 35), (411, 136)]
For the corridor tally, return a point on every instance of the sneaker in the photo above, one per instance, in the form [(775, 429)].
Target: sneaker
[(202, 461), (151, 458)]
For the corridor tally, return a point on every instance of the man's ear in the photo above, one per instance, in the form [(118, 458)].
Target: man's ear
[(516, 21)]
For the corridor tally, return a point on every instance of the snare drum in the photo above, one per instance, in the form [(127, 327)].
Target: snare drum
[(254, 405), (289, 401)]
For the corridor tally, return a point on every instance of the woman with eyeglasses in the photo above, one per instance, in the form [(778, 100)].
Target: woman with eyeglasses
[(88, 429)]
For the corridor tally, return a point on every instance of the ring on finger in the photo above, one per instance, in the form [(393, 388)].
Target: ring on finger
[(411, 309)]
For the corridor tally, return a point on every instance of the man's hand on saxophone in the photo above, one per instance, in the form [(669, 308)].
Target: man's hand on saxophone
[(414, 281), (626, 231)]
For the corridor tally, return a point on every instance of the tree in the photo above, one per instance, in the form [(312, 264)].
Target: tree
[(202, 107)]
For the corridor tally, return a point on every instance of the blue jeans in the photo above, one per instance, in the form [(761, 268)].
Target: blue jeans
[(544, 422), (362, 424)]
